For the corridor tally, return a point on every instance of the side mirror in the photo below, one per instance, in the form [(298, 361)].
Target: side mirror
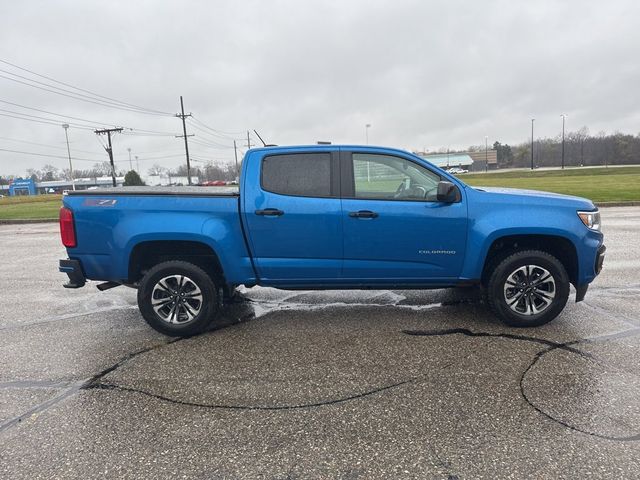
[(447, 192)]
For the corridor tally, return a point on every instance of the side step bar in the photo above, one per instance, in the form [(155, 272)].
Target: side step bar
[(107, 285)]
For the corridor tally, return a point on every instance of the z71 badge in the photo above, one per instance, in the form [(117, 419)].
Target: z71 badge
[(100, 202)]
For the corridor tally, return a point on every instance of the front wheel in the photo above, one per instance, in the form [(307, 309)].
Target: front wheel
[(528, 289), (178, 299)]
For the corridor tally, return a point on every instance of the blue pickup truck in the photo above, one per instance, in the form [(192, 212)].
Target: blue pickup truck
[(331, 217)]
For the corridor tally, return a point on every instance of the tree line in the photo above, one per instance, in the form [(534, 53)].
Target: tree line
[(207, 172), (580, 149)]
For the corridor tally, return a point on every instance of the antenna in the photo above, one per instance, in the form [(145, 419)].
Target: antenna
[(263, 142)]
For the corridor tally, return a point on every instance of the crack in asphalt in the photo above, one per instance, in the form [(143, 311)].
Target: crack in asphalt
[(74, 388), (69, 316), (111, 386), (551, 346), (95, 382)]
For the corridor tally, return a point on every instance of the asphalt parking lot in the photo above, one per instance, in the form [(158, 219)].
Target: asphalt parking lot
[(376, 384)]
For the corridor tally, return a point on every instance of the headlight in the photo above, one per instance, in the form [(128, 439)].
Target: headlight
[(591, 219)]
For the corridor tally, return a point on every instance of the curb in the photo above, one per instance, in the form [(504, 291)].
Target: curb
[(618, 204), (31, 220)]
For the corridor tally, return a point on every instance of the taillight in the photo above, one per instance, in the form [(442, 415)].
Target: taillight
[(67, 229)]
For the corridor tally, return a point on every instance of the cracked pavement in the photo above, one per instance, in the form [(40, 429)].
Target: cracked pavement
[(361, 384)]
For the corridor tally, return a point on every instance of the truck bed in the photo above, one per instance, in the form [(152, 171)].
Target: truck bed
[(231, 191)]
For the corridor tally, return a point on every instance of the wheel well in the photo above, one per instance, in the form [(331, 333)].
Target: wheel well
[(560, 247), (146, 255)]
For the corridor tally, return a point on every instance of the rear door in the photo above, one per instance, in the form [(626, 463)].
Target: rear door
[(395, 230), (293, 214)]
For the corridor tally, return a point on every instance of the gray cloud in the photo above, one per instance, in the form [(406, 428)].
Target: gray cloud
[(428, 74)]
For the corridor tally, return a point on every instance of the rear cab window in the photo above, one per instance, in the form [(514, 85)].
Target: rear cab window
[(299, 174)]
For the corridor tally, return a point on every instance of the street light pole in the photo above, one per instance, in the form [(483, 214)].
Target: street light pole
[(486, 155), (130, 163), (563, 117), (532, 120), (73, 180)]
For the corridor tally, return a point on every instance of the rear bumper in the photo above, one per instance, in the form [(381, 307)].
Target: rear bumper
[(74, 271)]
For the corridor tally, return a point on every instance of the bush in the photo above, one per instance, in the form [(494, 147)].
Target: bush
[(132, 179)]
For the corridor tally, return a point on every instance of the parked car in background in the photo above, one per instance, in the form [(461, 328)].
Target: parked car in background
[(457, 170)]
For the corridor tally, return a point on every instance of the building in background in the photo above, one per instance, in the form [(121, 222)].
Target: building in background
[(22, 186), (472, 161), (27, 186)]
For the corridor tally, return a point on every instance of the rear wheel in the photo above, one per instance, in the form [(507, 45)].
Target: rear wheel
[(178, 299), (528, 289)]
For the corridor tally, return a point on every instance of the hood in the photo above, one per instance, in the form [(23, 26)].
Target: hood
[(538, 196)]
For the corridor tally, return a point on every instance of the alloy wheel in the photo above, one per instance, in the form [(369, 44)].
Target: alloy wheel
[(529, 290), (176, 299)]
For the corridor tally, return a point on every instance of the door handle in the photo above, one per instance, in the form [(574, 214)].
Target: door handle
[(363, 214), (270, 212)]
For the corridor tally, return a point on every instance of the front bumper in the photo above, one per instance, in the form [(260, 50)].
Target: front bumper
[(73, 269), (581, 290), (602, 251)]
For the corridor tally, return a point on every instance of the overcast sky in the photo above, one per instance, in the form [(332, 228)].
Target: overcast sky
[(423, 74)]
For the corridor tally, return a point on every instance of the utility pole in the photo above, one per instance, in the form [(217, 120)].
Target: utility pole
[(248, 140), (235, 152), (532, 120), (563, 117), (130, 162), (184, 135), (73, 180), (137, 165), (109, 149)]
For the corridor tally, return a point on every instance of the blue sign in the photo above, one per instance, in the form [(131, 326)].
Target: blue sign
[(22, 187)]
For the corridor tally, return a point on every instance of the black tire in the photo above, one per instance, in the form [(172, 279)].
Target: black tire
[(520, 292), (180, 310)]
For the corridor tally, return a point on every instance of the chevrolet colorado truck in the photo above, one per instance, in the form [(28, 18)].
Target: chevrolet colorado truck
[(331, 217)]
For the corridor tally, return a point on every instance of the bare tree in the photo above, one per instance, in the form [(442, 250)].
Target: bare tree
[(156, 169)]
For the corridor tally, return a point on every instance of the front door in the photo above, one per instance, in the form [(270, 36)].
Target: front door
[(293, 213), (395, 230)]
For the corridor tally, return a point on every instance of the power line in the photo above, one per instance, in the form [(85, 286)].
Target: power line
[(42, 118), (47, 122), (210, 137), (132, 130), (153, 158), (211, 145), (45, 145), (134, 133), (53, 113), (110, 99), (220, 132), (79, 97), (47, 155), (164, 150)]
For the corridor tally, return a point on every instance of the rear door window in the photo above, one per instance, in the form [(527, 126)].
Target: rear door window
[(298, 174)]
